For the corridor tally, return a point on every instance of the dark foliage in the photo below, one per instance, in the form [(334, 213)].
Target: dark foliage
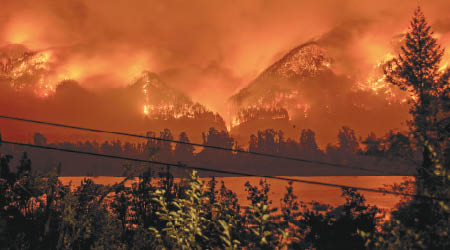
[(156, 212)]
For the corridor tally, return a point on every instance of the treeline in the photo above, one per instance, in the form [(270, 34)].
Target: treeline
[(156, 212), (38, 212), (386, 154)]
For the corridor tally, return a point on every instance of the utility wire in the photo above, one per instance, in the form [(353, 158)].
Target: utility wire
[(202, 145), (183, 166)]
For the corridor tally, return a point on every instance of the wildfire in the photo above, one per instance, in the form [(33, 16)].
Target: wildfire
[(145, 91), (160, 102), (303, 108), (388, 57), (29, 70), (146, 109), (169, 107), (255, 112), (376, 80), (34, 70), (234, 122), (44, 88)]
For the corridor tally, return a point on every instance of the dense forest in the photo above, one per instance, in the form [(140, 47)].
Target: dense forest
[(391, 154)]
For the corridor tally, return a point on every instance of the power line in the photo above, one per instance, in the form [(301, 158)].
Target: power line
[(202, 145), (183, 166)]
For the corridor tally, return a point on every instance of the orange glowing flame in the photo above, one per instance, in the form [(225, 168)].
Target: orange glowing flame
[(147, 109), (170, 109), (146, 105), (376, 80), (44, 88), (31, 70)]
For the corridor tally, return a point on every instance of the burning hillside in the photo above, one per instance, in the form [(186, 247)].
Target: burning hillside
[(170, 106), (306, 86), (26, 70), (162, 102), (201, 54), (304, 61), (146, 104), (279, 86), (31, 71)]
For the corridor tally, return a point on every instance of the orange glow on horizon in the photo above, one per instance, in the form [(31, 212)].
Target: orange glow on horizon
[(207, 53)]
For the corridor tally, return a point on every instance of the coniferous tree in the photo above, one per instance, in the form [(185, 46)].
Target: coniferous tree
[(421, 223), (416, 69)]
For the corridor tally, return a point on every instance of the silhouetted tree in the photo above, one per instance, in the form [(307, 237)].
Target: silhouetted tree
[(253, 143), (165, 147), (416, 69), (151, 146), (374, 145), (184, 152), (107, 148), (116, 147), (422, 223), (218, 139), (338, 227), (267, 141), (308, 144), (4, 164), (90, 147), (398, 145), (39, 139), (347, 140), (25, 165)]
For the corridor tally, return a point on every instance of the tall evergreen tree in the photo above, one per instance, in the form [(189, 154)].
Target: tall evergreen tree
[(422, 223), (416, 69)]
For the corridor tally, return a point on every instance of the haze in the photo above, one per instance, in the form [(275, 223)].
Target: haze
[(206, 50)]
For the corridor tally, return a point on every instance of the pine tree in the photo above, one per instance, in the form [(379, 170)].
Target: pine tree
[(416, 69), (422, 223)]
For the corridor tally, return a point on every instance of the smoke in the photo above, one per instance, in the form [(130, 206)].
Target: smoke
[(206, 49)]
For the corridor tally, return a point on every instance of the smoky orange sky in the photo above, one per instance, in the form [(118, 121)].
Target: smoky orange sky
[(206, 49)]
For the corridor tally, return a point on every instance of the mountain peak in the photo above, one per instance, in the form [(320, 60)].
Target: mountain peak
[(283, 78), (306, 60), (157, 92)]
